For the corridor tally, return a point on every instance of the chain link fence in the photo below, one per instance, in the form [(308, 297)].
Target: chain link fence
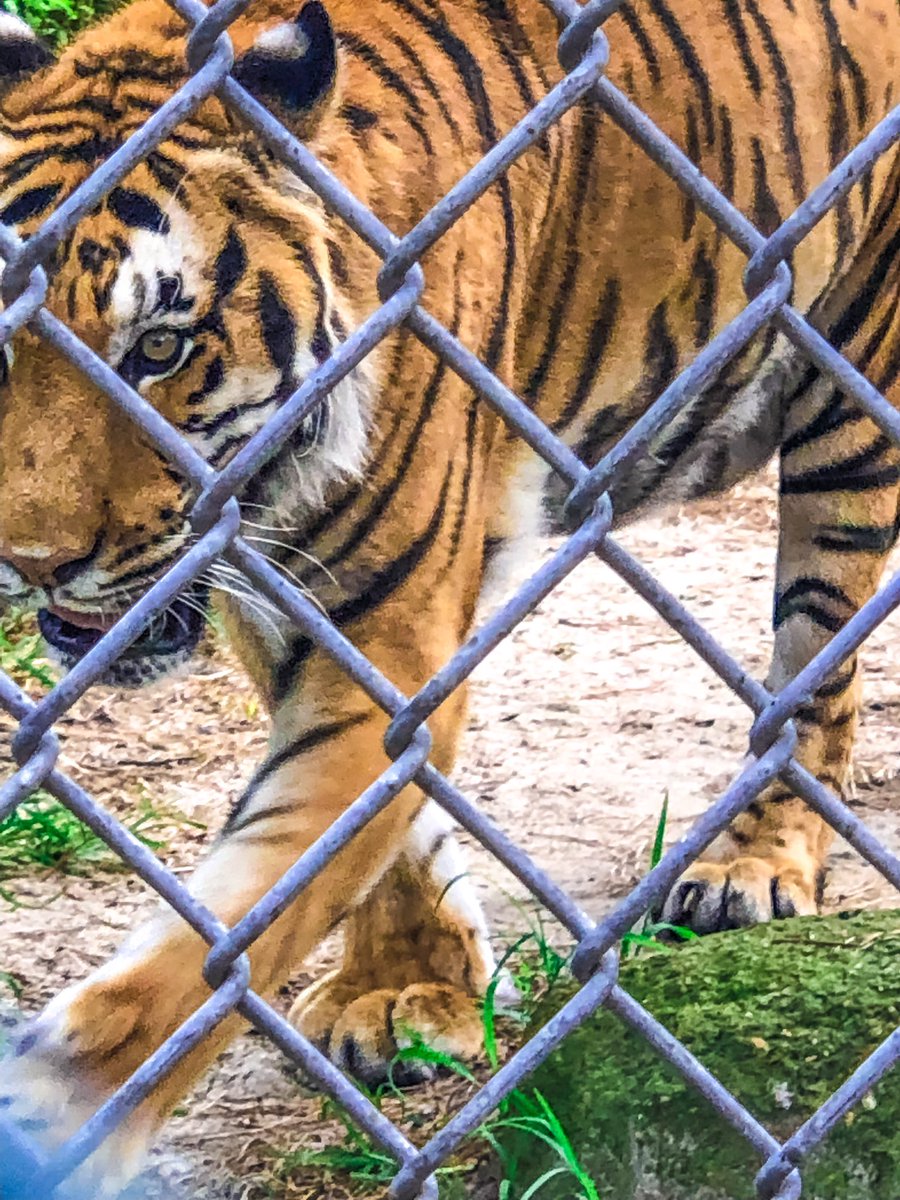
[(215, 518)]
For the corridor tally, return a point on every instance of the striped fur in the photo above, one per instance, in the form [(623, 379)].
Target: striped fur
[(584, 278)]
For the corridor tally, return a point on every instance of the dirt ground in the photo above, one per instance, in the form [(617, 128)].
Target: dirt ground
[(581, 724)]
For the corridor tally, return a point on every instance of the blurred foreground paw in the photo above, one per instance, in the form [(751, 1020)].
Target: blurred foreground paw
[(44, 1100)]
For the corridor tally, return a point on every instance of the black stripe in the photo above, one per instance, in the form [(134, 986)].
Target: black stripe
[(352, 494), (835, 415), (427, 82), (277, 326), (599, 337), (168, 173), (837, 686), (787, 107), (462, 513), (287, 672), (797, 600), (888, 375), (89, 150), (130, 553), (838, 121), (208, 425), (21, 133), (693, 151), (301, 745), (660, 353), (388, 491), (565, 291), (688, 55), (514, 47), (30, 204), (147, 70), (16, 170), (703, 270), (392, 577), (152, 568), (727, 163), (766, 215), (803, 385), (321, 342), (492, 547), (857, 539), (337, 263), (137, 210), (364, 527), (851, 482), (231, 263), (864, 360), (645, 45), (603, 428), (544, 260), (858, 80), (193, 143), (357, 117), (735, 19), (392, 80), (103, 292), (887, 207), (853, 317), (383, 585), (681, 436), (470, 74)]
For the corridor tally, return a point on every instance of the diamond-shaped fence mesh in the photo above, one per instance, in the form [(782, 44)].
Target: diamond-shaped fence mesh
[(215, 519)]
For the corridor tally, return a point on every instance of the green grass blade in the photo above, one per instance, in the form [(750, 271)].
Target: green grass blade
[(659, 839), (539, 1183)]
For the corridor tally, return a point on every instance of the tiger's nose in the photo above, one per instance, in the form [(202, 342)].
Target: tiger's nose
[(44, 567)]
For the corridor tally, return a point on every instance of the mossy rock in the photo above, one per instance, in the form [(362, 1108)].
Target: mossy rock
[(782, 1014)]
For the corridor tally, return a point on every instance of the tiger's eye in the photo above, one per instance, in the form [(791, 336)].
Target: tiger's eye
[(160, 345)]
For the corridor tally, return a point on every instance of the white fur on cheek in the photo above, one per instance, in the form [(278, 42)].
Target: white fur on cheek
[(179, 251)]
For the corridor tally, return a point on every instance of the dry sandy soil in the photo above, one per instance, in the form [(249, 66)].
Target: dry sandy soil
[(580, 725)]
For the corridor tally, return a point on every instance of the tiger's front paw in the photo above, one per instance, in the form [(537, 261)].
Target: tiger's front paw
[(713, 896), (364, 1034), (47, 1092)]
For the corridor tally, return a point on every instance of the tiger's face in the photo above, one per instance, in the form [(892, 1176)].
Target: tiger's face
[(206, 283)]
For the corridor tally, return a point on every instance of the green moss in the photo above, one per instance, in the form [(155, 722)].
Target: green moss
[(782, 1015), (58, 21)]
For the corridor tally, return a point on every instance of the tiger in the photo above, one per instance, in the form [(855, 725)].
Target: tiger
[(214, 281)]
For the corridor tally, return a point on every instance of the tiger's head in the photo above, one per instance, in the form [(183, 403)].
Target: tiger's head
[(206, 279)]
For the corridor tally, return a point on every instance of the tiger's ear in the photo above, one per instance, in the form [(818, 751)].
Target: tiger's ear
[(294, 65), (22, 53)]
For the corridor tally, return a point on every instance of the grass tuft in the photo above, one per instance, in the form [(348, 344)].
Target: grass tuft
[(22, 650), (42, 833)]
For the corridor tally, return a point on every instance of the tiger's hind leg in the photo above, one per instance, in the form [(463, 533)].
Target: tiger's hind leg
[(838, 522), (416, 957)]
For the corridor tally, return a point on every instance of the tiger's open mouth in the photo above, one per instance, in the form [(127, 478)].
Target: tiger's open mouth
[(167, 643)]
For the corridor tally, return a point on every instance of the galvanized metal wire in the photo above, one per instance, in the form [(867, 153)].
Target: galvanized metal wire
[(215, 518)]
